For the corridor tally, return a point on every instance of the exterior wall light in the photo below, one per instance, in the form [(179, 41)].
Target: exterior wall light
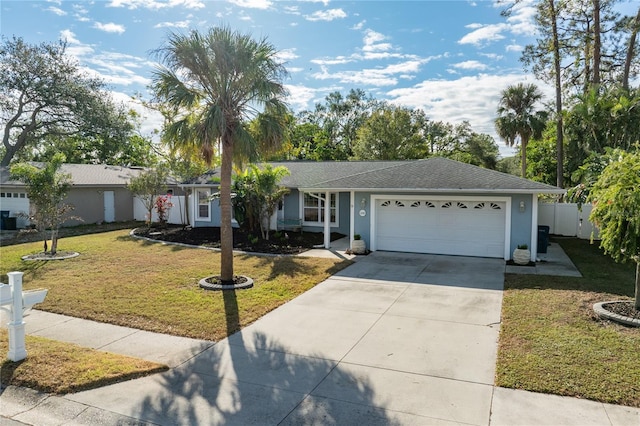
[(522, 206)]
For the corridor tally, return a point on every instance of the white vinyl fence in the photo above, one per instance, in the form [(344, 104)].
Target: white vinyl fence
[(567, 220), (177, 214)]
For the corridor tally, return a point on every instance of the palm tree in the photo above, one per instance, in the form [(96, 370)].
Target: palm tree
[(216, 83), (517, 118)]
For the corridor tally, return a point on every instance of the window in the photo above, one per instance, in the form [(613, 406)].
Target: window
[(313, 208), (204, 204)]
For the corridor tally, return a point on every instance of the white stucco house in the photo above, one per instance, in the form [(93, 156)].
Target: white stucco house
[(435, 205)]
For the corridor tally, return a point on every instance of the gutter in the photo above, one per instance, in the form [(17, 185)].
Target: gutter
[(559, 191)]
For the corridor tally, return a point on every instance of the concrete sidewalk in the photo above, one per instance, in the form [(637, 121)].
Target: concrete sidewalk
[(395, 338)]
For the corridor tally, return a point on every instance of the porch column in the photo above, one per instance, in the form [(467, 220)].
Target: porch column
[(327, 220), (352, 215)]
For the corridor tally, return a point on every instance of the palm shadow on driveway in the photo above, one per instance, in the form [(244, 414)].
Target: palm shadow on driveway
[(255, 380)]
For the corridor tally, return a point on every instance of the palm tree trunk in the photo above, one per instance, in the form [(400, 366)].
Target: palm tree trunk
[(597, 44), (226, 231), (523, 152), (630, 52), (558, 87)]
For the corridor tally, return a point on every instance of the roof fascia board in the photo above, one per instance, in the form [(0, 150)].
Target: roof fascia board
[(439, 190)]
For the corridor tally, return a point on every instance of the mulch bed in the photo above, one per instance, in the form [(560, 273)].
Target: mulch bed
[(626, 309), (283, 242)]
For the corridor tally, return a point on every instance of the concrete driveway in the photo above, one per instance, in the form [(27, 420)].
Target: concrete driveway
[(393, 339)]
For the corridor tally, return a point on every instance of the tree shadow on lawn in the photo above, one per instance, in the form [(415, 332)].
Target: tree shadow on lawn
[(600, 273), (291, 266), (253, 379)]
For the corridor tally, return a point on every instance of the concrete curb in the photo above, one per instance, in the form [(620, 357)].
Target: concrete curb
[(603, 313)]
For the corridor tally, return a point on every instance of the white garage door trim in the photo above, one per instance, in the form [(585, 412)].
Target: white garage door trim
[(506, 200)]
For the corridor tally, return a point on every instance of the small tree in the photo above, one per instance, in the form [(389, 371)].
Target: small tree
[(269, 193), (244, 201), (147, 186), (256, 196), (46, 189), (616, 211)]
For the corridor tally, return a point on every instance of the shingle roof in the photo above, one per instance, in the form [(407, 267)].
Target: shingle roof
[(310, 173), (434, 174), (86, 174)]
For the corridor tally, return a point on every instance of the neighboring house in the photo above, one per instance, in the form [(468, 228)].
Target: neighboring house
[(98, 193), (435, 205)]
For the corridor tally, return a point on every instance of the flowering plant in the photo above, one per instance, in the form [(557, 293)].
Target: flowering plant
[(162, 205)]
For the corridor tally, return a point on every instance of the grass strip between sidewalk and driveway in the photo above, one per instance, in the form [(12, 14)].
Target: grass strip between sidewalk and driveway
[(58, 367), (552, 342)]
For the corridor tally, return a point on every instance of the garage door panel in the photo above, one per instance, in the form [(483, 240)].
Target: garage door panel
[(470, 228)]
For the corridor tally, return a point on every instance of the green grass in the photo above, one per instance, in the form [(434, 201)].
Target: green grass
[(552, 342), (60, 368)]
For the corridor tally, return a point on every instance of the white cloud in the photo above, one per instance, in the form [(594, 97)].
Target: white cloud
[(472, 99), (513, 48), (387, 76), (359, 25), (285, 55), (150, 120), (291, 10), (324, 2), (252, 4), (484, 34), (56, 10), (332, 61), (177, 24), (522, 19), (471, 65), (326, 15), (372, 41), (299, 96), (112, 67), (69, 37), (156, 4), (493, 56), (74, 47), (109, 27)]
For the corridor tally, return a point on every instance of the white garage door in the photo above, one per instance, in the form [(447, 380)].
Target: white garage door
[(457, 227)]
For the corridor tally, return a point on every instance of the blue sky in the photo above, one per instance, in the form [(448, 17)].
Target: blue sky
[(450, 58)]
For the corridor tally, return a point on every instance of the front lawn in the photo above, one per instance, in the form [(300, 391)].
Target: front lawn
[(150, 286), (552, 342)]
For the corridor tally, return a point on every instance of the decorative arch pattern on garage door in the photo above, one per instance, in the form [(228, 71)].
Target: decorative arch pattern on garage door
[(465, 226)]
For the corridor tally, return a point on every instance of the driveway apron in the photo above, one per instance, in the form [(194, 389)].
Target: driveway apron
[(395, 338)]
